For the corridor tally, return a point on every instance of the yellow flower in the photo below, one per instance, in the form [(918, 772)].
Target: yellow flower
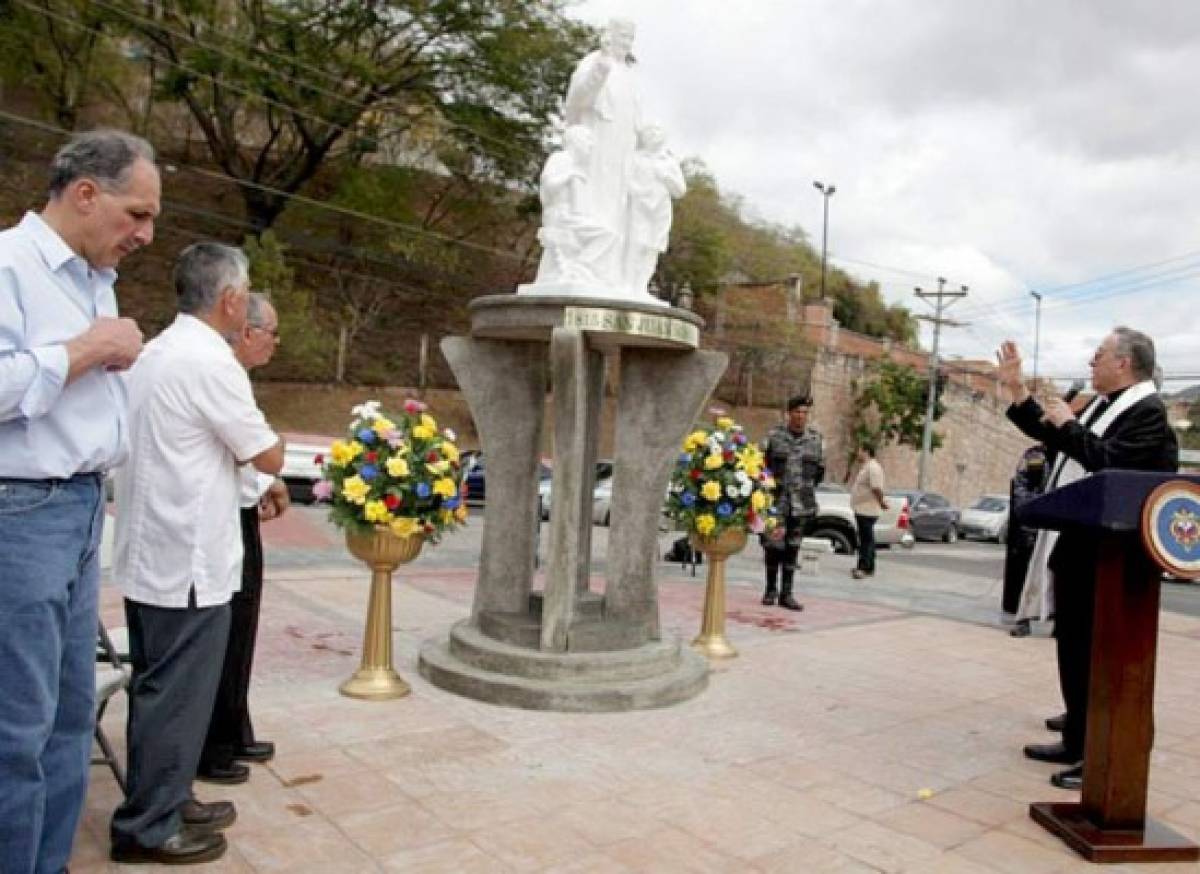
[(713, 460), (460, 513), (447, 517), (397, 467), (423, 432), (403, 526), (711, 491), (758, 500), (382, 425), (724, 423), (449, 451), (343, 453), (438, 466), (445, 487), (376, 511), (705, 523), (694, 441), (354, 490), (428, 421)]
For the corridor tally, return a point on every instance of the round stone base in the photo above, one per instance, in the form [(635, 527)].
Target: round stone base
[(471, 664)]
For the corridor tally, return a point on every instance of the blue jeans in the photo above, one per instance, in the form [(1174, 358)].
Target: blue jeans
[(49, 582)]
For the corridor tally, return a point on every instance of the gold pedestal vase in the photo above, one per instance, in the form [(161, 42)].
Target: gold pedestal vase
[(711, 640), (376, 679)]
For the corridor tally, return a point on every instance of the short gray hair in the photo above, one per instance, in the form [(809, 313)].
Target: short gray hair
[(105, 155), (1138, 348), (203, 271), (256, 309)]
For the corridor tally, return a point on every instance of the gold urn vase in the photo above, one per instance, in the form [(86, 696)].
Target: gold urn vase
[(383, 551), (712, 641)]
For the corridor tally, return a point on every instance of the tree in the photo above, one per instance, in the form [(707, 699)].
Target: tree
[(889, 407), (279, 89)]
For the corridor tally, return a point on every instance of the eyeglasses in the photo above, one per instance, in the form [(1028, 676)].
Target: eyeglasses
[(274, 332)]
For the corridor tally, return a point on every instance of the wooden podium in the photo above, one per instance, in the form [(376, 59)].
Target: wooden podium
[(1110, 822)]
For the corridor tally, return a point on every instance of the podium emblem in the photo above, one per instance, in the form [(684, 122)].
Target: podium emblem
[(1171, 527)]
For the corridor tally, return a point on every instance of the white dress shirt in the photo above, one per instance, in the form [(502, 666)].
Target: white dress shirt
[(192, 419), (48, 295)]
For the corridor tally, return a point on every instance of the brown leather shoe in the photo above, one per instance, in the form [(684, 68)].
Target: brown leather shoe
[(213, 816), (185, 847)]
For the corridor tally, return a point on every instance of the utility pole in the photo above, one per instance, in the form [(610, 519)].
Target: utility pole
[(1037, 332), (827, 192), (942, 299)]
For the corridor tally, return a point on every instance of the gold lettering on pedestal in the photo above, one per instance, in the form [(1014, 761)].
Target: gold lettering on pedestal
[(633, 323)]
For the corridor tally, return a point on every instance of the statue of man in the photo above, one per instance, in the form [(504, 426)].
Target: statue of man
[(655, 178), (602, 97)]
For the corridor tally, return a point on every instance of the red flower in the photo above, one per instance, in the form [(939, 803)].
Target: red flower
[(431, 456), (391, 501), (319, 460), (729, 455), (696, 473), (371, 457)]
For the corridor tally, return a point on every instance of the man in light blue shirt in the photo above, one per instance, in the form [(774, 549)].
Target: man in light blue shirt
[(62, 425)]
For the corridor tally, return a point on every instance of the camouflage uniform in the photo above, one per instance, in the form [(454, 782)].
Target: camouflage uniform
[(798, 464)]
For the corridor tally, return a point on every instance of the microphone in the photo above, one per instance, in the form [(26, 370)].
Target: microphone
[(1075, 389)]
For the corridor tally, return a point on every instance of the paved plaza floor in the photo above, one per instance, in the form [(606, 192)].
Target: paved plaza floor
[(852, 737)]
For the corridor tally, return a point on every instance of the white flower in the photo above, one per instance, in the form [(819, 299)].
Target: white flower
[(747, 488), (732, 491), (366, 411), (741, 477), (449, 434)]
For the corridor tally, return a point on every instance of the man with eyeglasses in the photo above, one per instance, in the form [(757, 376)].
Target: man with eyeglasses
[(1125, 427), (231, 739)]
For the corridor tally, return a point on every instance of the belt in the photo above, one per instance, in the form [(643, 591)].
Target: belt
[(91, 476)]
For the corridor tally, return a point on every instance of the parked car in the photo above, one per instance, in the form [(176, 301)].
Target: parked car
[(931, 516), (300, 470), (835, 521), (604, 472), (986, 519), (476, 477)]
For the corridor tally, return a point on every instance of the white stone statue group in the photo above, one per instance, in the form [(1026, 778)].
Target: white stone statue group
[(606, 195)]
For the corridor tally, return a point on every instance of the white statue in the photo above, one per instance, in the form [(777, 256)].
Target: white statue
[(574, 242), (597, 242), (656, 177)]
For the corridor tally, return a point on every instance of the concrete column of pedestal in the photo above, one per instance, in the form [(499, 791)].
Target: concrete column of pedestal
[(504, 384), (578, 383), (662, 394)]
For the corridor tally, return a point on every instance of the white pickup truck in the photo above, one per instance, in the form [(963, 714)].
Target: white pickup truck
[(835, 521)]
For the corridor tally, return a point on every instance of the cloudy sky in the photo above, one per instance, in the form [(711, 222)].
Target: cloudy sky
[(1006, 146)]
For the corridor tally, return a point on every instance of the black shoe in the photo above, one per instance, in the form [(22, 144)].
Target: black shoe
[(210, 817), (769, 599), (787, 602), (259, 751), (1057, 753), (185, 847), (234, 772), (1021, 629), (1072, 779), (1056, 723)]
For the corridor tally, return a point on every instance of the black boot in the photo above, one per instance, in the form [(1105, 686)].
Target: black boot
[(786, 601), (769, 597)]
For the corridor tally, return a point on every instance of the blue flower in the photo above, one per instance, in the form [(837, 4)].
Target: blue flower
[(688, 499), (685, 458), (422, 490), (368, 472), (450, 503), (724, 509), (366, 435), (739, 438)]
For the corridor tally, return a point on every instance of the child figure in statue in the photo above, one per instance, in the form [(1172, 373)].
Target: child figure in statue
[(655, 178)]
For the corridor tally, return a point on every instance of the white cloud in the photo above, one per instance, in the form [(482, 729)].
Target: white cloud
[(1005, 146)]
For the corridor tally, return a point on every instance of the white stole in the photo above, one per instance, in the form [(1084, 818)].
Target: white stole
[(1037, 597)]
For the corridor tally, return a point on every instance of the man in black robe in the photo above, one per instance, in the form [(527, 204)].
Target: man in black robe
[(1125, 428)]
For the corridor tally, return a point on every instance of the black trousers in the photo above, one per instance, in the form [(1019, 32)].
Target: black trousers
[(781, 559), (866, 542), (175, 656), (230, 728), (1074, 612)]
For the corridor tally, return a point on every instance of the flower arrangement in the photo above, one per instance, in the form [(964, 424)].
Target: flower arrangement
[(720, 482), (396, 473)]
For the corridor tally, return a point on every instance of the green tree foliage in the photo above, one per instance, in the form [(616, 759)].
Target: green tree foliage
[(65, 52), (714, 241), (279, 89), (889, 407), (306, 346)]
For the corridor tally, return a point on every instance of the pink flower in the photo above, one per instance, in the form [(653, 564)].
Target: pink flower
[(322, 490), (392, 437), (414, 406), (757, 525)]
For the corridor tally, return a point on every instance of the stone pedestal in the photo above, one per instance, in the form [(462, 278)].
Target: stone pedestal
[(568, 648)]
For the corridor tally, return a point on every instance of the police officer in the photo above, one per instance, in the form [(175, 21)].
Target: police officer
[(796, 456)]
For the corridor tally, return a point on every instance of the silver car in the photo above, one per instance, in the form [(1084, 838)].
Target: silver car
[(986, 519)]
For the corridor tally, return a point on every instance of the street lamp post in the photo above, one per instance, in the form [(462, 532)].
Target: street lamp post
[(826, 193), (1037, 332)]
